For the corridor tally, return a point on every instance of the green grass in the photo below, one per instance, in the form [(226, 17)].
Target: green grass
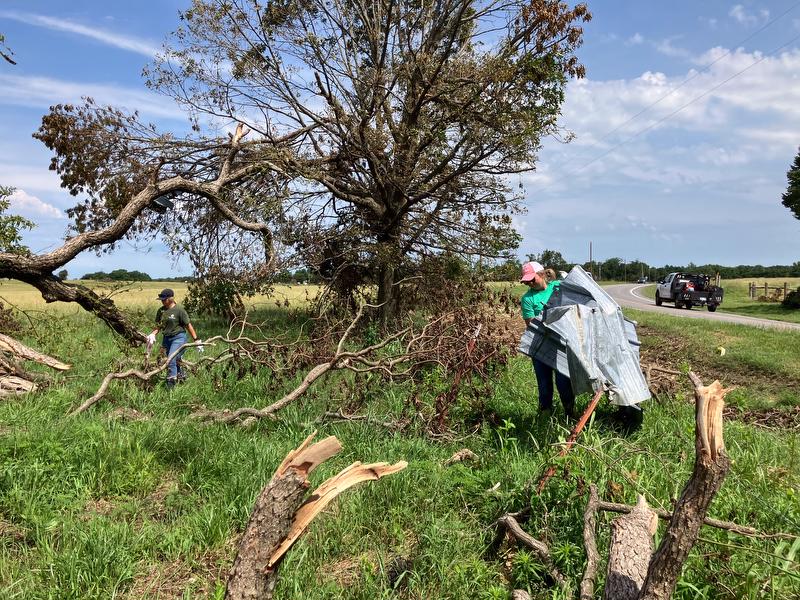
[(100, 507)]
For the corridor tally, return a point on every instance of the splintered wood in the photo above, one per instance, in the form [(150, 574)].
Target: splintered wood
[(282, 513), (14, 379)]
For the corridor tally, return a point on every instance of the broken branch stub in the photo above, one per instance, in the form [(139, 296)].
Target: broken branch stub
[(710, 467), (282, 512)]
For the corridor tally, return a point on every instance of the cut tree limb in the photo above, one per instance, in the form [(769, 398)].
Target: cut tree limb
[(14, 379), (20, 350), (726, 525), (590, 544), (540, 548), (710, 467), (281, 514), (629, 552)]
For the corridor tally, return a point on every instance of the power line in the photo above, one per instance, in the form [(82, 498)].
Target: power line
[(697, 73), (676, 111)]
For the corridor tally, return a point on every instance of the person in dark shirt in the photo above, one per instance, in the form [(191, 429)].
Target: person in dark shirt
[(173, 321)]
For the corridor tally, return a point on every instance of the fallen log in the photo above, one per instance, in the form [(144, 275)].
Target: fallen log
[(14, 379), (282, 512), (629, 552)]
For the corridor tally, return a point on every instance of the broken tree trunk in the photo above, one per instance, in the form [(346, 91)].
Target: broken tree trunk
[(280, 515), (710, 467), (629, 552), (14, 379)]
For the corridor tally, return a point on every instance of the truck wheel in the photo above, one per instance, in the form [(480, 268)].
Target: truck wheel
[(688, 304), (658, 299), (712, 308)]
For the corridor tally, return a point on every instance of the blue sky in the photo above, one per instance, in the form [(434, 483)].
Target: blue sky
[(684, 127)]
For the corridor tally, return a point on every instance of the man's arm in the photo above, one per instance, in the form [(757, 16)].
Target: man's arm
[(191, 331)]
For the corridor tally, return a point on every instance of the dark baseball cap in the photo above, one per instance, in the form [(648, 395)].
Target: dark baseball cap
[(166, 293)]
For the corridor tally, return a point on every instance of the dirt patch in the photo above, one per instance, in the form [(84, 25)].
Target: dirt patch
[(128, 414), (155, 501), (173, 579), (344, 572), (95, 507), (10, 531), (771, 418)]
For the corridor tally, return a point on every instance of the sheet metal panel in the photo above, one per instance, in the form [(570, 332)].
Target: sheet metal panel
[(583, 334)]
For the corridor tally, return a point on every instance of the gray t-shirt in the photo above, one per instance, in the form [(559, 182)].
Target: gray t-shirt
[(172, 320)]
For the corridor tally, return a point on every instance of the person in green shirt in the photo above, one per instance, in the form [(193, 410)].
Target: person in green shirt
[(533, 302), (173, 321)]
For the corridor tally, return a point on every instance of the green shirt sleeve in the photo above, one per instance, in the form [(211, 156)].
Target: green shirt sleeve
[(183, 317), (533, 302), (158, 316), (528, 306)]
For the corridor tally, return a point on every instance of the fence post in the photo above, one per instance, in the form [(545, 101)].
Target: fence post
[(785, 289), (766, 290)]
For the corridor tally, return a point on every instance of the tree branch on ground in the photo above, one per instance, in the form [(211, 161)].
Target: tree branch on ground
[(283, 510), (14, 378)]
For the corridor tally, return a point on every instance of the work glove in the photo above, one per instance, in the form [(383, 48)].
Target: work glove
[(151, 340), (200, 348)]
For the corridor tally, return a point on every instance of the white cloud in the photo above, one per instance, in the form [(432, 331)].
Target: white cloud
[(110, 38), (740, 14), (635, 39), (42, 92), (711, 22), (667, 48), (27, 205)]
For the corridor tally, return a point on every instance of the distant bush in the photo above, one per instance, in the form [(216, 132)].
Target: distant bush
[(118, 275), (792, 299)]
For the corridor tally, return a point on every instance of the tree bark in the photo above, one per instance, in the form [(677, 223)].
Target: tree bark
[(590, 544), (55, 290), (710, 467), (629, 552), (14, 379), (282, 512)]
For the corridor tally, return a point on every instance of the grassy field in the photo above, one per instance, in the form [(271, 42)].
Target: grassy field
[(143, 295), (738, 301), (150, 505)]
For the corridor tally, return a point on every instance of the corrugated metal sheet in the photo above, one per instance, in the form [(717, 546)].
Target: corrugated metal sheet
[(583, 334)]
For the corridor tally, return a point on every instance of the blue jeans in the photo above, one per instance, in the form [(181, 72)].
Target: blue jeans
[(171, 344), (544, 380)]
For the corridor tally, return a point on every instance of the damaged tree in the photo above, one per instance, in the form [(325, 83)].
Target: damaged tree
[(125, 169), (283, 510), (421, 112)]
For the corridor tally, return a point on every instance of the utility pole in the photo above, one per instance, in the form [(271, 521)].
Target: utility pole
[(624, 270), (591, 264)]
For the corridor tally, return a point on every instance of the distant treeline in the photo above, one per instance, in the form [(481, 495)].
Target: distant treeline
[(617, 269), (125, 275)]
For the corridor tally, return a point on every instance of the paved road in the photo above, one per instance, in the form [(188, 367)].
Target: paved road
[(629, 295)]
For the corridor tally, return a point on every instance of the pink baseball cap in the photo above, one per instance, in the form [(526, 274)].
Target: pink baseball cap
[(529, 269)]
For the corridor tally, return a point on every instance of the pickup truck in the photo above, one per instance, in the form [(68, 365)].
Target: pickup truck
[(685, 289)]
